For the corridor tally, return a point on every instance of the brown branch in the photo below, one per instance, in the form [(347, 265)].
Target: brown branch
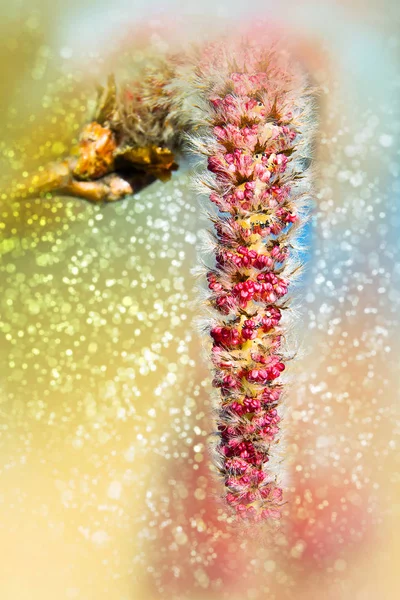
[(103, 170)]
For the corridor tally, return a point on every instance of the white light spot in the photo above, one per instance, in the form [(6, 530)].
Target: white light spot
[(386, 140), (114, 490), (100, 537)]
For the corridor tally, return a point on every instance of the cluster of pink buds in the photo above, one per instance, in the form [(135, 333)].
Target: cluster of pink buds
[(267, 287), (244, 257), (256, 118)]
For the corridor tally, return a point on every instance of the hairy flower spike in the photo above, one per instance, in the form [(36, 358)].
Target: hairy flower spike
[(260, 116)]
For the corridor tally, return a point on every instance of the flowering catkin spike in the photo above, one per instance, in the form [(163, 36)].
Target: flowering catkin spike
[(254, 111)]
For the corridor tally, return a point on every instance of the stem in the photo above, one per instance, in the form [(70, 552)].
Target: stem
[(94, 173)]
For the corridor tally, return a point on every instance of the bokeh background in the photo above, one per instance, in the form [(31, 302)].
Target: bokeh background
[(105, 488)]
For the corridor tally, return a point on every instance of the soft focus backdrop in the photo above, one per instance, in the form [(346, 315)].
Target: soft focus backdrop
[(105, 491)]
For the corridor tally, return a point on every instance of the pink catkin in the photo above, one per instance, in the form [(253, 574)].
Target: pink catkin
[(259, 128)]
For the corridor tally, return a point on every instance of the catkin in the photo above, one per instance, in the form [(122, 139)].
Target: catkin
[(249, 114)]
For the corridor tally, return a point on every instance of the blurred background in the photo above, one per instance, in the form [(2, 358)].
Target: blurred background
[(105, 488)]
